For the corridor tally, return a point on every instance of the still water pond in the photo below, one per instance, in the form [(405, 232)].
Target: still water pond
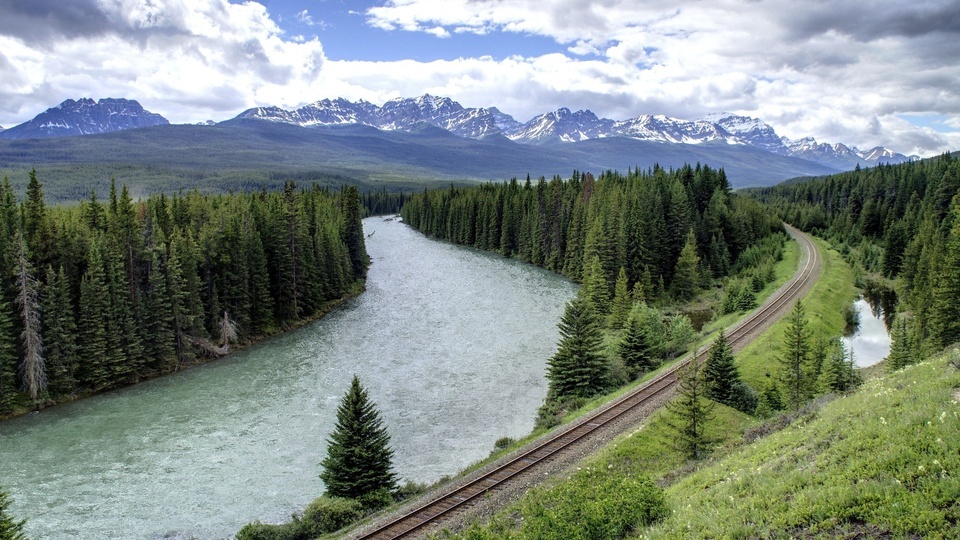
[(451, 344), (871, 341)]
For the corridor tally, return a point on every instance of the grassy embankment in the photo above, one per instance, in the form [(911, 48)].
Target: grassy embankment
[(646, 453), (783, 270)]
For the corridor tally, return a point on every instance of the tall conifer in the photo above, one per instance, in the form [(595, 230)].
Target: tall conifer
[(358, 464)]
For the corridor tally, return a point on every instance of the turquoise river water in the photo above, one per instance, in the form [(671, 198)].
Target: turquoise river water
[(451, 344)]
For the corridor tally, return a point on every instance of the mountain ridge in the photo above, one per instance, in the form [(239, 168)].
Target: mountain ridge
[(565, 126), (85, 117)]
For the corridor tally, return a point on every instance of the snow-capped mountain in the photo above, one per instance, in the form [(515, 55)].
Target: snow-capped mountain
[(751, 131), (84, 117), (400, 114), (566, 126), (562, 126), (662, 128)]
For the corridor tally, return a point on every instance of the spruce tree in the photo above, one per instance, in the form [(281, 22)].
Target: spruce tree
[(8, 358), (839, 373), (901, 348), (578, 368), (639, 350), (690, 412), (795, 357), (720, 373), (944, 321), (594, 286), (686, 274), (359, 459), (620, 308), (10, 528), (59, 333)]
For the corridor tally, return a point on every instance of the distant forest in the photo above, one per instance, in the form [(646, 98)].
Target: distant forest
[(897, 222), (104, 294), (640, 222)]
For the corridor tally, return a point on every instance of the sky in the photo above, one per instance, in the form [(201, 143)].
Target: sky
[(866, 73)]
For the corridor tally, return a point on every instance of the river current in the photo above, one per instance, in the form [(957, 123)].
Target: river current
[(451, 344)]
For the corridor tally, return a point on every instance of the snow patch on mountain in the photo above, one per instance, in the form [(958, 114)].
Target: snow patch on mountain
[(85, 117)]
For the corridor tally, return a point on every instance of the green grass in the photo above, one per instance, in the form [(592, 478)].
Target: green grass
[(824, 306), (647, 453), (884, 461)]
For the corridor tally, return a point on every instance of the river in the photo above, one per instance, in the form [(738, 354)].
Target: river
[(451, 343)]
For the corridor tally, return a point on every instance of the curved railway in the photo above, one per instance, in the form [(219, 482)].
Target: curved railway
[(416, 520)]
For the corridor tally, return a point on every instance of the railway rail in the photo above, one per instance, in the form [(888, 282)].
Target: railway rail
[(416, 520)]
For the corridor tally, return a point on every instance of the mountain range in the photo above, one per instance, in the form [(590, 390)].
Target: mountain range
[(85, 117), (565, 126), (404, 144)]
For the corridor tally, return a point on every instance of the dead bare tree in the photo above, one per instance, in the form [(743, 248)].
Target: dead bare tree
[(32, 370)]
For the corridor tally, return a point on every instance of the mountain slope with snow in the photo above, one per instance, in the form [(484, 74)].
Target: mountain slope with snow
[(85, 117)]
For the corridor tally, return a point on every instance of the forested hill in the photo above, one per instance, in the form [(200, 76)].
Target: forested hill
[(105, 294), (900, 221), (640, 222)]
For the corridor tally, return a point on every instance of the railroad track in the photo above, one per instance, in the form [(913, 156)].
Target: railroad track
[(416, 520)]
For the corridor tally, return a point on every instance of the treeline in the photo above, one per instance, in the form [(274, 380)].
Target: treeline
[(104, 294), (898, 222), (640, 222)]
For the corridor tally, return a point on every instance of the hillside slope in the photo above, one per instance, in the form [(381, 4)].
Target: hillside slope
[(244, 152), (884, 461)]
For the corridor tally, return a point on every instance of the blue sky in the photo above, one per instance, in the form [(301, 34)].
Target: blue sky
[(867, 73)]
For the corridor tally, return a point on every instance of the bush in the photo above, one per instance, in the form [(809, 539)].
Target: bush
[(408, 490), (595, 504), (745, 398), (328, 514), (265, 531), (376, 500)]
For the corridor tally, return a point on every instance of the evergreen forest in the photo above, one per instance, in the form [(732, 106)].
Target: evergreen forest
[(104, 294), (900, 227), (640, 222)]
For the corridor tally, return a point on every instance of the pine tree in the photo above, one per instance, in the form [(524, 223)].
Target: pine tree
[(771, 400), (720, 373), (60, 333), (795, 357), (359, 459), (839, 373), (690, 412), (944, 321), (622, 302), (638, 348), (10, 528), (94, 372), (901, 348), (8, 358), (578, 368), (594, 286), (686, 274)]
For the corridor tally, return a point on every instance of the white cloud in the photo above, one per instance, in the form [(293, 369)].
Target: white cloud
[(841, 72), (837, 71), (305, 18), (188, 60)]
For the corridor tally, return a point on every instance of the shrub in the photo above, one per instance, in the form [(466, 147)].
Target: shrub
[(595, 504), (328, 514), (266, 531)]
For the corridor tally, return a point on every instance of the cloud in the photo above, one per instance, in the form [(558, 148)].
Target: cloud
[(824, 68), (173, 55), (842, 72), (305, 18)]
